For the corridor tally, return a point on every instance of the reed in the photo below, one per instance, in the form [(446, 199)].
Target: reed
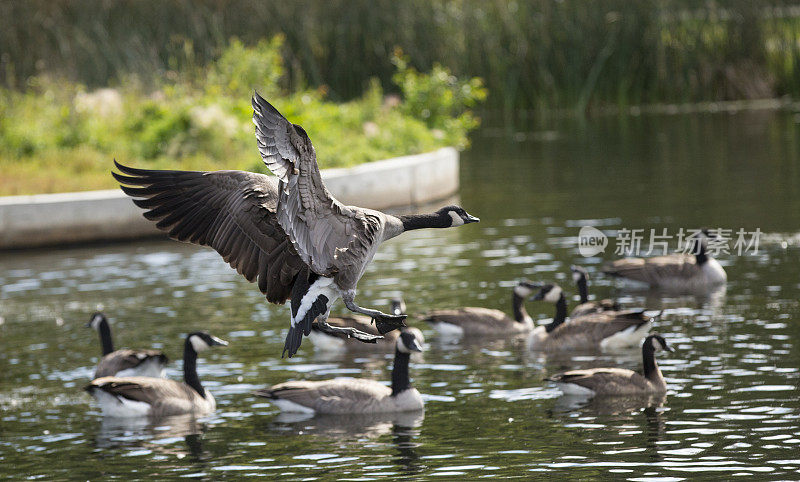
[(533, 55)]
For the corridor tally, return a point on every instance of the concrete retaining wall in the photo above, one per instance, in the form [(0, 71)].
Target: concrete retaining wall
[(58, 219)]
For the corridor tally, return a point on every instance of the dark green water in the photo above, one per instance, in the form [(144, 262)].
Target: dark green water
[(732, 409)]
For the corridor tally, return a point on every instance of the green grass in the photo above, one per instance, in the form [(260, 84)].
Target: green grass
[(58, 136)]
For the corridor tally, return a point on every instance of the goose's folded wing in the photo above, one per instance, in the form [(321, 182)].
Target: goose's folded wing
[(608, 380), (328, 236), (143, 389), (230, 211), (328, 395), (650, 270), (599, 326), (472, 319), (126, 359)]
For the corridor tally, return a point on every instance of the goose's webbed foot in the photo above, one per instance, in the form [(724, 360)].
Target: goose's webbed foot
[(384, 322), (348, 332)]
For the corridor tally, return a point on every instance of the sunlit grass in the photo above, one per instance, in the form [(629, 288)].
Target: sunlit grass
[(58, 136)]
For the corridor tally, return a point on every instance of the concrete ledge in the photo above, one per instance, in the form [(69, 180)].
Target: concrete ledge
[(59, 219)]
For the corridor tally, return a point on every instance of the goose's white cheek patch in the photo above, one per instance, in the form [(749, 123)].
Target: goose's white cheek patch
[(457, 221), (553, 295), (198, 343)]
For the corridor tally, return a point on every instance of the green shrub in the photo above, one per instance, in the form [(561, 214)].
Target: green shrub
[(439, 98), (56, 136)]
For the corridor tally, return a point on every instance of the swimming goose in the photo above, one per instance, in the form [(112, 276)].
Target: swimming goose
[(157, 397), (355, 395), (286, 231), (609, 330), (326, 341), (484, 321), (125, 362), (581, 279), (697, 272), (618, 381)]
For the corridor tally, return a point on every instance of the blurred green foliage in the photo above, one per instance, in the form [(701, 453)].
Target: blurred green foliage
[(534, 56), (58, 135)]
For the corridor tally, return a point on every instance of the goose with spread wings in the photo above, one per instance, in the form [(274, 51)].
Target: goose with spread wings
[(287, 232)]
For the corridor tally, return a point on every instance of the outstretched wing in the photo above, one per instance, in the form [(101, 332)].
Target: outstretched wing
[(230, 211), (329, 236)]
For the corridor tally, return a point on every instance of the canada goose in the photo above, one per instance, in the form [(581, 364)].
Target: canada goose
[(125, 362), (355, 395), (158, 397), (326, 341), (287, 231), (484, 321), (581, 279), (609, 330), (618, 381), (697, 272)]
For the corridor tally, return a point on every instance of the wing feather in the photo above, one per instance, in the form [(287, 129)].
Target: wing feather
[(230, 211), (328, 236)]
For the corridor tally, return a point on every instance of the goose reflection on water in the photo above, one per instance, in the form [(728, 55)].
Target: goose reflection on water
[(403, 427), (613, 405), (150, 433)]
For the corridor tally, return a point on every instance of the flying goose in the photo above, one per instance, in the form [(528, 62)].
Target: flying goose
[(609, 330), (158, 397), (696, 272), (125, 362), (581, 279), (287, 231), (618, 381), (484, 321), (327, 341), (355, 395)]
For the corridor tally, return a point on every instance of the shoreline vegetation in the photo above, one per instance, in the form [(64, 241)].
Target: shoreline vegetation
[(167, 84), (533, 55), (60, 136)]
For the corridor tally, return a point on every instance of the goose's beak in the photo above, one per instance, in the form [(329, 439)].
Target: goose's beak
[(218, 341), (415, 346), (538, 296), (669, 349), (469, 218)]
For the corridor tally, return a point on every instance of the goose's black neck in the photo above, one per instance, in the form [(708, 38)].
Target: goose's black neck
[(190, 368), (700, 252), (518, 304), (583, 289), (649, 360), (420, 221), (400, 379), (105, 337), (561, 314)]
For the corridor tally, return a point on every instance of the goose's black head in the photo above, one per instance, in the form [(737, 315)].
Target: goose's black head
[(201, 341), (398, 306), (658, 343), (96, 320), (526, 288), (410, 339), (550, 293), (578, 273), (457, 215)]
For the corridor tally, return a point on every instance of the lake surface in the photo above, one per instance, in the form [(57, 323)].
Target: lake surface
[(733, 408)]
